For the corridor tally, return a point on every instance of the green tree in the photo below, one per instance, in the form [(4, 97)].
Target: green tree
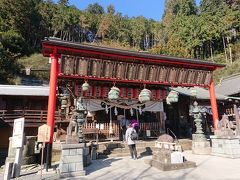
[(138, 30), (95, 9), (8, 66)]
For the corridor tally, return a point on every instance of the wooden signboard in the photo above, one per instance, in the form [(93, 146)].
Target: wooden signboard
[(43, 133), (18, 128)]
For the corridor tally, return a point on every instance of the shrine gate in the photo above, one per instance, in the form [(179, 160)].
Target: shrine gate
[(130, 71)]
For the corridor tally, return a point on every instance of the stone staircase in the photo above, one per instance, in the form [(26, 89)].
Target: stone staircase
[(144, 148), (119, 149)]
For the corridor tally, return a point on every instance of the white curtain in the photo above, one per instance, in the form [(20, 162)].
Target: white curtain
[(95, 105)]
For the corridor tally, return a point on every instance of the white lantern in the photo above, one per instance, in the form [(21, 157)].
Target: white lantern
[(85, 86), (113, 94), (172, 97), (145, 95)]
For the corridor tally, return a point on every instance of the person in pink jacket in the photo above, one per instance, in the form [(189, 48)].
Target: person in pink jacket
[(131, 142), (135, 124)]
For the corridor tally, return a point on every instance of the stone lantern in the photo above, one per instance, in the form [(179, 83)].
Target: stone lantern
[(81, 114), (196, 112), (200, 145)]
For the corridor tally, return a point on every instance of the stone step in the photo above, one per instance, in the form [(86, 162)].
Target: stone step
[(139, 149), (114, 145), (102, 156), (126, 148), (125, 152)]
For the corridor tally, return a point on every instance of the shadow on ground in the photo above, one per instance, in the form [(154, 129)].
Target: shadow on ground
[(100, 164)]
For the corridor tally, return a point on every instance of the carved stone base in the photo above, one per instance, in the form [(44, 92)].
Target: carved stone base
[(169, 167), (226, 147), (225, 132), (201, 147), (199, 137), (162, 156)]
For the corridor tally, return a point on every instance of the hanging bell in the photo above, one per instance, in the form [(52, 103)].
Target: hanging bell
[(113, 94), (85, 86), (145, 95)]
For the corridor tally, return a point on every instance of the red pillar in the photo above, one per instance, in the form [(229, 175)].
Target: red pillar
[(213, 104), (52, 93)]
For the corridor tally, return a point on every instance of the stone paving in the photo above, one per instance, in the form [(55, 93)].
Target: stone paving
[(121, 168)]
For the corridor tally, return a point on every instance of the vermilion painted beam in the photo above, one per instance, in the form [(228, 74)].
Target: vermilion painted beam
[(127, 81), (52, 93), (213, 104)]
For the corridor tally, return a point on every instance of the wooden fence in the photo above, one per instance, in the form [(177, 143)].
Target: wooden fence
[(104, 129), (33, 118)]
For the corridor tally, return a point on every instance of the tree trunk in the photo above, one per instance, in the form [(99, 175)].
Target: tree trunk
[(211, 50), (225, 51), (61, 35), (230, 53), (230, 50)]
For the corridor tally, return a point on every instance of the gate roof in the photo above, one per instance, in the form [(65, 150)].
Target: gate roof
[(174, 65)]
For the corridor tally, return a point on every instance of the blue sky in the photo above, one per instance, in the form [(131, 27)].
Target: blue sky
[(147, 8)]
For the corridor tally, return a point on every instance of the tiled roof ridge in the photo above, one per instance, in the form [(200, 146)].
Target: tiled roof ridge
[(231, 77)]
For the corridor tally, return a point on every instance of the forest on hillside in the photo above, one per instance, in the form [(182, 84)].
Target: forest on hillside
[(210, 31)]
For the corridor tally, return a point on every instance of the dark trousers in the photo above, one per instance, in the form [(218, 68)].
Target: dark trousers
[(133, 150), (123, 131)]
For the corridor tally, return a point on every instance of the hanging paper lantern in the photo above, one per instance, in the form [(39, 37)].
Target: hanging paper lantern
[(172, 97), (113, 94), (140, 110), (145, 95), (85, 86), (115, 111), (106, 109), (131, 112)]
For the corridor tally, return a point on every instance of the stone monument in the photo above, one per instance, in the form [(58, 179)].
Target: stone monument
[(28, 155), (225, 141), (200, 144), (75, 153), (168, 155)]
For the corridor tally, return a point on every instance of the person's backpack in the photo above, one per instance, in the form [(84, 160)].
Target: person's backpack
[(134, 135)]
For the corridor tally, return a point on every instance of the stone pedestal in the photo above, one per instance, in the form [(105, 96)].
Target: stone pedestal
[(72, 160), (200, 145), (162, 160), (170, 167), (226, 146), (28, 156)]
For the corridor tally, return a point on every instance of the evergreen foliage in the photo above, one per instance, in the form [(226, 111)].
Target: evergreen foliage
[(210, 31)]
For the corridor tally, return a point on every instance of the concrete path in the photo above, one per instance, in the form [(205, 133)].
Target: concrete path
[(124, 168), (208, 168)]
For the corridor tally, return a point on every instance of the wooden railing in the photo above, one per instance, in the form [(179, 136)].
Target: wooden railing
[(33, 118), (103, 132)]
